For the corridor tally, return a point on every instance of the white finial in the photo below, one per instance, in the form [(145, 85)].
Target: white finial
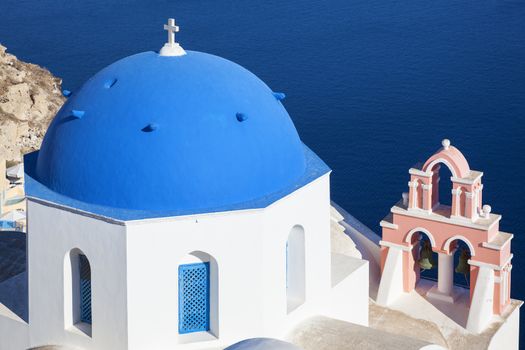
[(404, 195), (171, 48), (486, 210), (445, 143)]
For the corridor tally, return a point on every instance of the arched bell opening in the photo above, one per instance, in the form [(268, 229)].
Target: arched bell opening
[(441, 185), (462, 255), (426, 260), (463, 274)]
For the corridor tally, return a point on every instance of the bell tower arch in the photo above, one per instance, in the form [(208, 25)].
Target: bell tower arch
[(486, 254)]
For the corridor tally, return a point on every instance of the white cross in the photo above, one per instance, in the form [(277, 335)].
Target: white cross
[(171, 48), (172, 29)]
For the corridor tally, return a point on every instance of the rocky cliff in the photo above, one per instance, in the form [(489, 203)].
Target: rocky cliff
[(29, 98)]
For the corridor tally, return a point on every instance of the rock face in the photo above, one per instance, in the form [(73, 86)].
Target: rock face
[(30, 96)]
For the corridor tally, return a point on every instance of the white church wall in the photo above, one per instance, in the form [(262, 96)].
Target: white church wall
[(14, 332), (250, 249), (345, 299), (53, 233), (309, 208), (156, 248), (135, 271)]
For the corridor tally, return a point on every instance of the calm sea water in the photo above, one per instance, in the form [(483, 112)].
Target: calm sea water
[(372, 85)]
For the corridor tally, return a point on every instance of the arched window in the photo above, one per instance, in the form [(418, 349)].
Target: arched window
[(295, 268), (85, 289), (194, 297), (77, 291), (198, 294)]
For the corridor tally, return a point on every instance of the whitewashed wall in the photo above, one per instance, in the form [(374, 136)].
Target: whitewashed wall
[(508, 335), (308, 207), (155, 251), (14, 332), (250, 249), (135, 274), (52, 234)]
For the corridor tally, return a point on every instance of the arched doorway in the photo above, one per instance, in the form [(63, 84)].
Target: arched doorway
[(295, 268)]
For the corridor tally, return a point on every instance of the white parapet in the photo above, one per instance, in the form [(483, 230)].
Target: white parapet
[(391, 285), (480, 313), (348, 299), (508, 335)]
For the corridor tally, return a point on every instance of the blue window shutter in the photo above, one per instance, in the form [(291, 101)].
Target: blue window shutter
[(194, 298), (85, 289)]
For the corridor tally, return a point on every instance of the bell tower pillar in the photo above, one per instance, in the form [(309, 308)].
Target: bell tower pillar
[(444, 290)]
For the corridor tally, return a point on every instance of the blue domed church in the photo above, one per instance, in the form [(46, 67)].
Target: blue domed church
[(173, 205)]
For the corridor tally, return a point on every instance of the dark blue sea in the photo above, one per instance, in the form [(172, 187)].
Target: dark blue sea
[(372, 85)]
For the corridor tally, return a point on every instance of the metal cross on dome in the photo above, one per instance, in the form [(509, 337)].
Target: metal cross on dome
[(172, 29)]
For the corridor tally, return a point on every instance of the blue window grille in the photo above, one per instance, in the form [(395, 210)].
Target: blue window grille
[(85, 289), (7, 224), (194, 298)]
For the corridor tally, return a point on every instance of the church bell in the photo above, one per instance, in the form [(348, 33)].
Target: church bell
[(463, 266), (426, 262)]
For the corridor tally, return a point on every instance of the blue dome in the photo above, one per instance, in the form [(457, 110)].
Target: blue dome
[(187, 133)]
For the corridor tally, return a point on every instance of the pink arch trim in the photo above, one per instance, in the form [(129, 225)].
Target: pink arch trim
[(408, 237), (446, 246), (452, 158)]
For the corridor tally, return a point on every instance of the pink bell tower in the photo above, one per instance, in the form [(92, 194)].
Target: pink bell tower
[(420, 212)]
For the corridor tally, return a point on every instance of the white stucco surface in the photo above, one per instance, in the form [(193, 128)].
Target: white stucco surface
[(391, 285), (322, 333), (250, 250), (53, 233), (481, 314), (348, 300), (508, 335), (14, 332), (134, 275), (367, 242)]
